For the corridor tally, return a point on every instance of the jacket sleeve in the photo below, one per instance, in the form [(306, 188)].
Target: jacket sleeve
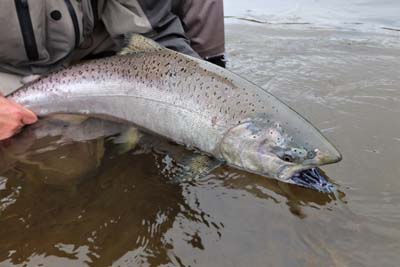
[(203, 23), (153, 18)]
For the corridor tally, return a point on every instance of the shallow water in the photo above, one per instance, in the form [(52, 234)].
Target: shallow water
[(362, 15), (87, 203)]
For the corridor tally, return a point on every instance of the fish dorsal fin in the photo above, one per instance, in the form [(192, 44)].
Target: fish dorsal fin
[(138, 43)]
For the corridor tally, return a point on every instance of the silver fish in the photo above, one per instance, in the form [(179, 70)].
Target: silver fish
[(189, 101)]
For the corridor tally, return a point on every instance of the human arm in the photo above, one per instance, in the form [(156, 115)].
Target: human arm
[(13, 117)]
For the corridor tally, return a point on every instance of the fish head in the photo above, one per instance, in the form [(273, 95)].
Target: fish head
[(287, 150)]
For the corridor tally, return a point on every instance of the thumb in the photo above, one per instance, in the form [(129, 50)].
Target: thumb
[(28, 117)]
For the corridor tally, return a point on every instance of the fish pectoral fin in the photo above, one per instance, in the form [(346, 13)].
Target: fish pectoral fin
[(138, 43), (127, 140), (190, 168)]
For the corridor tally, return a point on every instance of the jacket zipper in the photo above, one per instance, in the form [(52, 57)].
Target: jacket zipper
[(28, 35), (75, 22)]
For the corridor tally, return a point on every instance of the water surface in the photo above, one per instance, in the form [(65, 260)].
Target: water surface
[(361, 15), (90, 203)]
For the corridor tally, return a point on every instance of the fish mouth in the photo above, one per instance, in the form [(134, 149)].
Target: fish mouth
[(333, 156), (313, 178)]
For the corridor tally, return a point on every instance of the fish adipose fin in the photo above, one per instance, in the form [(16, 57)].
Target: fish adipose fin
[(136, 43)]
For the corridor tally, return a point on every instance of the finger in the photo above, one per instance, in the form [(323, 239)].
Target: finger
[(28, 117), (5, 134), (16, 127)]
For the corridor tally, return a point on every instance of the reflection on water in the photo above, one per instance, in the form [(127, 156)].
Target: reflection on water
[(295, 196), (83, 203)]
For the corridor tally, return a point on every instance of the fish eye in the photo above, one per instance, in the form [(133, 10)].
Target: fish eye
[(287, 158), (311, 154)]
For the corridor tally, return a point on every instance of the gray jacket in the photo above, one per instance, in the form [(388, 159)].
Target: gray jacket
[(40, 35)]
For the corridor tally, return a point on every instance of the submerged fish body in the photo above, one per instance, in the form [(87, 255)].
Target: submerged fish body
[(189, 101)]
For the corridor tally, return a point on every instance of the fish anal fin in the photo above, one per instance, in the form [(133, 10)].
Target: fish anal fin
[(138, 43)]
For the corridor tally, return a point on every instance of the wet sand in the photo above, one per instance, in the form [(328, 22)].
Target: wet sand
[(85, 204)]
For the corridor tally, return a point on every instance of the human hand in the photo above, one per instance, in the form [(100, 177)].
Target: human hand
[(13, 117)]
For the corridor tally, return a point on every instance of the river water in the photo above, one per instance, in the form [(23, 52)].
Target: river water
[(93, 203), (361, 15)]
